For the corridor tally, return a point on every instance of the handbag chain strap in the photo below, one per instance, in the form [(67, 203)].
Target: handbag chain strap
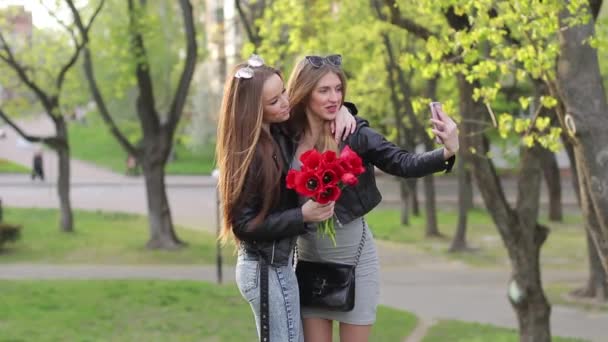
[(359, 251), (362, 243)]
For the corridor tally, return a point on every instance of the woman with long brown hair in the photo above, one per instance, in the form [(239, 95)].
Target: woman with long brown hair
[(316, 89), (259, 212)]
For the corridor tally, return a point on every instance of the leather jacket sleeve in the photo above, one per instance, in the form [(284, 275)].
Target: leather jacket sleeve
[(390, 158), (276, 225)]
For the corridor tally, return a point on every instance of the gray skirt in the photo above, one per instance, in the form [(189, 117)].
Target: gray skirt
[(316, 247)]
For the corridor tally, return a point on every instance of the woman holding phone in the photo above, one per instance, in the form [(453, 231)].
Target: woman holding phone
[(317, 88)]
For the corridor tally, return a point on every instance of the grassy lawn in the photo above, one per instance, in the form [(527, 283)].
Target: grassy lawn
[(94, 143), (7, 166), (456, 331), (100, 238), (143, 311), (565, 247)]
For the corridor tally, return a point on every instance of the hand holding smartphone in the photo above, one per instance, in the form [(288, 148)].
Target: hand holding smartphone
[(435, 108)]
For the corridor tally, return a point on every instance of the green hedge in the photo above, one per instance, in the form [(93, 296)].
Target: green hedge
[(9, 233)]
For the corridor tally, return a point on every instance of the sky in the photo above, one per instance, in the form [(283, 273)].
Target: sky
[(40, 16)]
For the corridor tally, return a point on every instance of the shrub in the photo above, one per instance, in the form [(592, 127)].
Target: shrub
[(9, 233)]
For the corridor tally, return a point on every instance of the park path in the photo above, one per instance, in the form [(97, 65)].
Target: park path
[(433, 288)]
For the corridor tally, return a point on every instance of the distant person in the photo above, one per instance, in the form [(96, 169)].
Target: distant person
[(37, 166), (80, 115), (131, 165)]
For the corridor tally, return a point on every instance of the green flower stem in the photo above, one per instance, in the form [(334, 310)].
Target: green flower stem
[(327, 228)]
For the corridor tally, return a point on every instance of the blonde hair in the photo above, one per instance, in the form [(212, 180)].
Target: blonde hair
[(302, 82), (243, 145)]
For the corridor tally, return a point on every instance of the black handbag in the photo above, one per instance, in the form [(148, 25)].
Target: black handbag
[(329, 286)]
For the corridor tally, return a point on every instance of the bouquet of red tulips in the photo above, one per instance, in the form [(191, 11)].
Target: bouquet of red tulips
[(322, 178)]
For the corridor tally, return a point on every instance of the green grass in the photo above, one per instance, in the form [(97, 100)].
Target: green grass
[(94, 143), (559, 294), (142, 311), (100, 238), (565, 247), (456, 331), (7, 166)]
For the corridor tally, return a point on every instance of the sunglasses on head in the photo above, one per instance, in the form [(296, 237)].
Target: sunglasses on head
[(318, 61), (247, 72)]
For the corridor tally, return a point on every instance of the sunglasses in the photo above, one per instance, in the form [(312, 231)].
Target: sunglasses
[(247, 72), (318, 61)]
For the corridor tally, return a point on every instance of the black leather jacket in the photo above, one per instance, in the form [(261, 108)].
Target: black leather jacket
[(274, 238), (375, 150)]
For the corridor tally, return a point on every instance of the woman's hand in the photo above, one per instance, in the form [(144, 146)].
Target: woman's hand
[(315, 212), (447, 130), (344, 125)]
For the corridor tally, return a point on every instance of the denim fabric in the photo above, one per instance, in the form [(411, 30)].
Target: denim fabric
[(283, 298)]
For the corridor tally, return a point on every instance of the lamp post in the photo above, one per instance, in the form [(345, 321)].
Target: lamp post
[(218, 250)]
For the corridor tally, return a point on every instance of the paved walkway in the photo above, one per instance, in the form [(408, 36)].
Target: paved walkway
[(431, 287)]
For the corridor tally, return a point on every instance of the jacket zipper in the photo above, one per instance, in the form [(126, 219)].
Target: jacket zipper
[(272, 257)]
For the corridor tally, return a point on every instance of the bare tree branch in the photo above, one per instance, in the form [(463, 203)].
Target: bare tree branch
[(59, 21), (48, 140), (405, 89), (78, 46), (10, 60), (177, 106), (90, 75), (84, 29), (95, 14), (596, 6), (146, 108), (396, 19), (254, 38)]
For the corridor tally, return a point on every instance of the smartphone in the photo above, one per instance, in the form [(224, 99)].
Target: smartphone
[(435, 108)]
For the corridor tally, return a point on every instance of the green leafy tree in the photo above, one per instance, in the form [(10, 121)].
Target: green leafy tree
[(499, 41), (480, 49), (158, 125)]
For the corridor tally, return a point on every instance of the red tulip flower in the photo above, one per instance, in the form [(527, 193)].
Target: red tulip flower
[(310, 160), (349, 179), (328, 194), (322, 178)]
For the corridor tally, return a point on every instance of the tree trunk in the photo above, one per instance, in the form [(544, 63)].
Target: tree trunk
[(554, 187), (574, 173), (413, 185), (518, 228), (430, 202), (580, 86), (597, 284), (405, 199), (432, 230), (459, 243), (63, 178), (162, 234), (532, 308), (468, 181)]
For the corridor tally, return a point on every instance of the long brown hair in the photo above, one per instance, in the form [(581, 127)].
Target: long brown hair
[(302, 82), (244, 150)]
